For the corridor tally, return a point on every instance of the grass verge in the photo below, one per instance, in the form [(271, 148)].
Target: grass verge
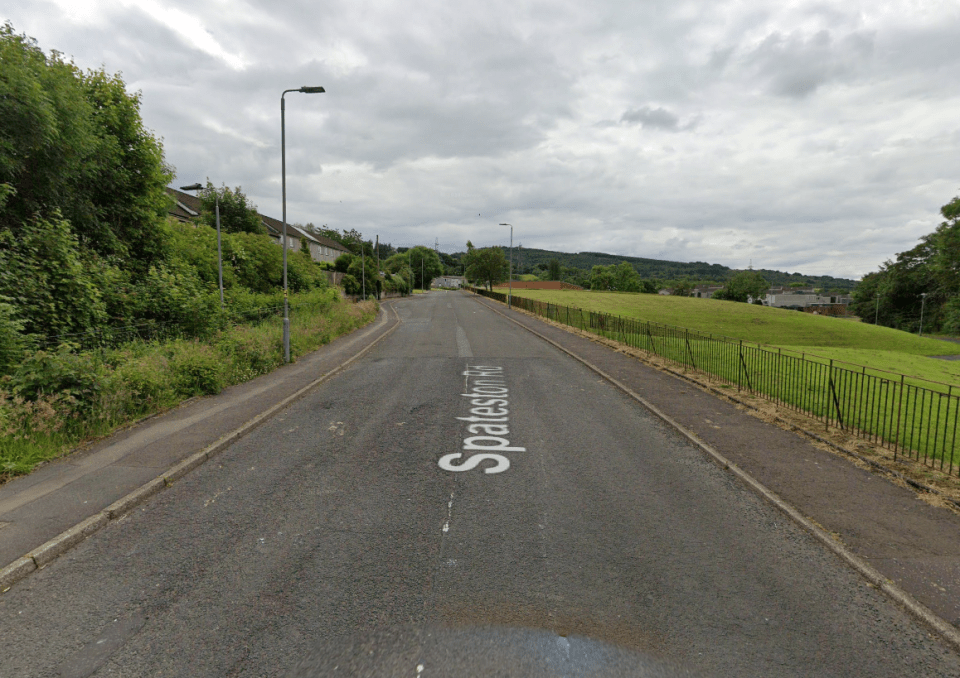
[(915, 416), (59, 400)]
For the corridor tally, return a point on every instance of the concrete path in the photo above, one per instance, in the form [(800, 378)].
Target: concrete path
[(57, 496), (912, 543)]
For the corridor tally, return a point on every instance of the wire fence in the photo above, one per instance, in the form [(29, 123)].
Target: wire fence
[(913, 417)]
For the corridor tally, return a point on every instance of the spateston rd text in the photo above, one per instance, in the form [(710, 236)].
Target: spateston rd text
[(488, 423)]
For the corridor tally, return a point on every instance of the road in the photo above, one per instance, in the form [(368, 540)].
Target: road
[(359, 533)]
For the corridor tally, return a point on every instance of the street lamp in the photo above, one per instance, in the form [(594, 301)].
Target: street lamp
[(923, 299), (510, 284), (197, 187), (283, 182)]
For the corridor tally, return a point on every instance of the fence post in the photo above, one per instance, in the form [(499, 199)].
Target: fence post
[(833, 392), (896, 437)]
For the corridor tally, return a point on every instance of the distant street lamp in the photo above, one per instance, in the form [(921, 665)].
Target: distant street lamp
[(923, 298), (197, 187), (283, 182), (510, 283)]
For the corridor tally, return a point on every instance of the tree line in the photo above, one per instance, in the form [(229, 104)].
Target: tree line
[(923, 280), (85, 241)]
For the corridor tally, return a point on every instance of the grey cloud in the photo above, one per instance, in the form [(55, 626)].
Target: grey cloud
[(796, 66), (657, 118)]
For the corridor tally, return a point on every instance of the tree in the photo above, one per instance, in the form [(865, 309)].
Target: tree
[(237, 214), (743, 286), (486, 266), (682, 288), (425, 264), (892, 295), (553, 270), (74, 143)]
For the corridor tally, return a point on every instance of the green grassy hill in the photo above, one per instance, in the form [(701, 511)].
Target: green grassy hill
[(880, 348)]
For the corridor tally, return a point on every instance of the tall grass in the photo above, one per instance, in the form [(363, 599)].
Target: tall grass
[(59, 399)]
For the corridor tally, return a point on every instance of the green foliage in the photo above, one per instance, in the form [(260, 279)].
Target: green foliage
[(616, 278), (744, 286), (237, 215), (173, 294), (74, 144), (53, 284), (425, 264), (486, 266), (12, 342), (342, 263), (892, 295), (260, 268), (553, 269), (197, 370), (683, 289), (65, 373)]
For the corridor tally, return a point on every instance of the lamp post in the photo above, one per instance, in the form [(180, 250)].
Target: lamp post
[(197, 187), (510, 284), (283, 182), (923, 299)]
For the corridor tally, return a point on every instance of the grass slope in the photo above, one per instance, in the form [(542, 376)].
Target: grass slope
[(857, 343)]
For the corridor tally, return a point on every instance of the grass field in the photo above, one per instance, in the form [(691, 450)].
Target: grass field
[(791, 358), (880, 348)]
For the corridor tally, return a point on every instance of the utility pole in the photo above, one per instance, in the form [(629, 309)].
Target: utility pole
[(378, 267), (510, 284)]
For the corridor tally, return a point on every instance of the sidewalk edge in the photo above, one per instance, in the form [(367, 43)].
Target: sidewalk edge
[(39, 557), (949, 633)]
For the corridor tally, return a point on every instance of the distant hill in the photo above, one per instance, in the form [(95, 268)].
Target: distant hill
[(670, 270)]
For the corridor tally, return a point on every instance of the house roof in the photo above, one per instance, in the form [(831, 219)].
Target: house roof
[(187, 207)]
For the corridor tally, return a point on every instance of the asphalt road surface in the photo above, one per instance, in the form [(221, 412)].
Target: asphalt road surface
[(465, 500)]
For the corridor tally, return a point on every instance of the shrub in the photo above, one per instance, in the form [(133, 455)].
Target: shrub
[(197, 369), (66, 374)]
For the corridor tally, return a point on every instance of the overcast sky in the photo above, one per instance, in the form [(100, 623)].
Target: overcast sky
[(817, 137)]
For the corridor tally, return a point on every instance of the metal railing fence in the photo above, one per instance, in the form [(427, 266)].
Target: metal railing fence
[(913, 417)]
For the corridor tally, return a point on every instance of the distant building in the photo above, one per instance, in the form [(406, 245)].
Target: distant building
[(455, 281), (186, 209)]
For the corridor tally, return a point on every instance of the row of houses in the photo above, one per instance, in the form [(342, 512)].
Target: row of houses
[(781, 297), (186, 209)]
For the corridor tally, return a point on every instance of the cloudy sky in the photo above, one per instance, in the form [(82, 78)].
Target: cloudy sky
[(812, 136)]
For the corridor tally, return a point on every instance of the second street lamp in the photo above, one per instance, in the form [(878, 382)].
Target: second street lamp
[(198, 187), (283, 182), (510, 288)]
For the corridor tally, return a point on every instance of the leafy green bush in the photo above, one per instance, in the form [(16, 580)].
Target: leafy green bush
[(11, 341), (197, 369), (144, 384), (74, 376)]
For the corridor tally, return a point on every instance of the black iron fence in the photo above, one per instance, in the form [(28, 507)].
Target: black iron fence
[(913, 417)]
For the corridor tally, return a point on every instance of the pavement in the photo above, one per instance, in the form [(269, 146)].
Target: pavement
[(912, 543), (339, 535), (57, 496)]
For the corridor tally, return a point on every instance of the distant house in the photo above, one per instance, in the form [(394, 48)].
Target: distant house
[(186, 209), (705, 291), (448, 281), (321, 247), (804, 299)]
